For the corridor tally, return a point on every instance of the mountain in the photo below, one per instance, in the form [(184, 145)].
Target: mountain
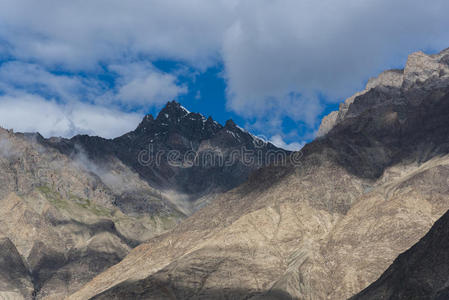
[(181, 154), (59, 224), (419, 273), (71, 208), (324, 227)]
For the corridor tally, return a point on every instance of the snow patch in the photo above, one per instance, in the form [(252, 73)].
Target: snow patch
[(185, 109)]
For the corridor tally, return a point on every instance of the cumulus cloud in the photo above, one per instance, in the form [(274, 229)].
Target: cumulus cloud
[(281, 58), (33, 78), (136, 84), (141, 84), (35, 99), (278, 48), (30, 113), (79, 34)]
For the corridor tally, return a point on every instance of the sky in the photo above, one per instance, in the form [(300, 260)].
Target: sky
[(275, 67)]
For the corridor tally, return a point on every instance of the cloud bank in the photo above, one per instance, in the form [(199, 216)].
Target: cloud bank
[(31, 113), (281, 59)]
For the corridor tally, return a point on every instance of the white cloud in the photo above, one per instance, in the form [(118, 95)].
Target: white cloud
[(101, 121), (19, 76), (278, 141), (30, 113), (279, 55), (79, 34), (278, 48), (35, 99), (142, 84)]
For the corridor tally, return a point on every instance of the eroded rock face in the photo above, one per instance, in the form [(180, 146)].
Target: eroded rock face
[(181, 154), (60, 224), (420, 68), (364, 193), (392, 78), (73, 208), (280, 245), (328, 123)]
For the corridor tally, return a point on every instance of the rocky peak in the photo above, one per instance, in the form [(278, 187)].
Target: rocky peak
[(174, 118), (419, 69), (211, 127), (175, 129), (236, 134), (230, 124), (393, 78), (172, 112), (146, 124)]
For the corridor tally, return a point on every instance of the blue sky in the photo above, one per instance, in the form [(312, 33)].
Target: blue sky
[(276, 67), (207, 95)]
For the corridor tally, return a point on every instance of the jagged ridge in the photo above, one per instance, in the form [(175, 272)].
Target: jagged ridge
[(216, 168), (419, 68), (365, 192)]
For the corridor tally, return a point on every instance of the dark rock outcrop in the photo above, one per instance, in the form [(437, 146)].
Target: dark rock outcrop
[(420, 273), (179, 152), (15, 279)]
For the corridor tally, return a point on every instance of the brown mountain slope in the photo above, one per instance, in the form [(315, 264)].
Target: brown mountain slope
[(365, 192), (72, 208), (59, 223), (286, 247)]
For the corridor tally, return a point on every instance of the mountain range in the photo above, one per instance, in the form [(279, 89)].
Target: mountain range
[(176, 210), (73, 207)]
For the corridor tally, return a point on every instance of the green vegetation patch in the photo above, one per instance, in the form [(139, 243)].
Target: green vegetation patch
[(57, 200), (53, 197)]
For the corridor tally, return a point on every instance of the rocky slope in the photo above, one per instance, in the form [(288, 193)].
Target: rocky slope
[(418, 69), (421, 272), (59, 222), (72, 208), (182, 154), (325, 229)]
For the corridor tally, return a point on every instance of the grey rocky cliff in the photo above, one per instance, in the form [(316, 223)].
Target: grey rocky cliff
[(419, 68)]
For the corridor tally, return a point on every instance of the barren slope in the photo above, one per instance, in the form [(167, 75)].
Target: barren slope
[(59, 222), (365, 192)]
